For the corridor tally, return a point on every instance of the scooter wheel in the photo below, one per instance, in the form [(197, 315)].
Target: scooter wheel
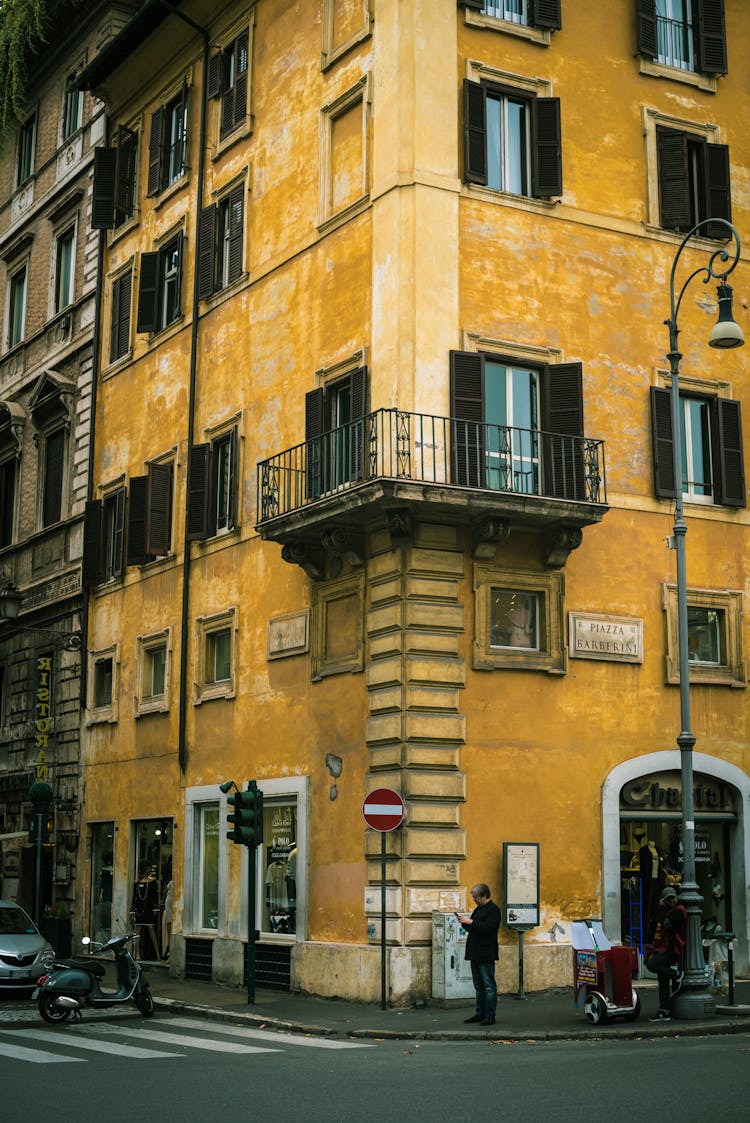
[(50, 1011), (635, 1012), (595, 1008), (144, 1000)]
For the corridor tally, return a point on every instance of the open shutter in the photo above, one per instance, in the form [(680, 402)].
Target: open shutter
[(646, 37), (206, 251), (674, 180), (233, 478), (719, 197), (213, 81), (120, 326), (314, 421), (181, 140), (545, 13), (118, 534), (103, 195), (125, 178), (662, 443), (199, 488), (475, 133), (240, 82), (228, 88), (236, 228), (158, 524), (710, 36), (92, 525), (178, 282), (155, 151), (467, 418), (562, 388), (148, 293), (729, 483), (359, 392), (547, 157), (136, 554)]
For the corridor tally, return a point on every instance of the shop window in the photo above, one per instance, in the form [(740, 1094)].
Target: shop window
[(153, 844), (213, 480), (279, 910), (519, 620), (119, 332), (206, 886), (102, 880), (216, 647), (114, 188), (159, 293), (153, 668), (715, 648), (103, 666), (167, 143), (221, 242)]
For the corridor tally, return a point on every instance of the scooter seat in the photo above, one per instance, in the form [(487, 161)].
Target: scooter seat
[(93, 966)]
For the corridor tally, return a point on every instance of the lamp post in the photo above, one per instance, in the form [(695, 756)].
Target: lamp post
[(693, 1001)]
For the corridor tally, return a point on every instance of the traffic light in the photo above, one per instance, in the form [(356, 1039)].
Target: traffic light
[(247, 819), (40, 795)]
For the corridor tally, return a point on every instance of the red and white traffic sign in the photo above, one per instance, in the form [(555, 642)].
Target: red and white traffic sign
[(384, 810)]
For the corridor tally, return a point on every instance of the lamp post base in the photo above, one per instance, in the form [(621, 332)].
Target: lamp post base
[(694, 1002)]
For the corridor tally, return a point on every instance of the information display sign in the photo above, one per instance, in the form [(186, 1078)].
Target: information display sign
[(521, 884)]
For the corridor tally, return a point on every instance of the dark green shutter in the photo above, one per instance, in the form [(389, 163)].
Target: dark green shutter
[(242, 63), (199, 489), (235, 211), (233, 478), (545, 13), (710, 36), (562, 412), (92, 525), (729, 483), (213, 82), (357, 443), (547, 155), (118, 535), (207, 252), (178, 296), (674, 179), (136, 553), (719, 198), (127, 142), (54, 467), (475, 5), (120, 326), (159, 506), (103, 194), (148, 293), (475, 133), (646, 37), (156, 152), (662, 443), (467, 418), (314, 425)]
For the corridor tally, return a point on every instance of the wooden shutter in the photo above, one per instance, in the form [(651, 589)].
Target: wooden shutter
[(92, 525), (729, 463), (159, 509), (241, 66), (314, 425), (207, 252), (125, 178), (562, 412), (213, 81), (199, 489), (357, 443), (148, 293), (467, 418), (475, 133), (646, 37), (120, 326), (156, 151), (118, 533), (662, 443), (182, 137), (547, 154), (718, 193), (228, 90), (178, 294), (235, 212), (233, 478), (475, 5), (54, 466), (545, 13), (674, 179), (710, 36), (136, 552), (103, 194)]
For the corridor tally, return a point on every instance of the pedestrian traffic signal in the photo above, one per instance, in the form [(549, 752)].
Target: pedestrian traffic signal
[(246, 819)]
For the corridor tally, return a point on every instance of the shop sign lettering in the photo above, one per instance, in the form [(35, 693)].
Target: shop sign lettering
[(650, 794), (615, 638), (42, 715)]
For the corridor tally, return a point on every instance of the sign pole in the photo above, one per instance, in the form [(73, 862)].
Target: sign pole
[(383, 810), (382, 921), (251, 890)]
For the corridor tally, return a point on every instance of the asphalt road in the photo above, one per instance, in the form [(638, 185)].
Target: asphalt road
[(178, 1068)]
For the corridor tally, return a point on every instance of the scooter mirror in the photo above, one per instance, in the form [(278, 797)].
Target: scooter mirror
[(86, 940)]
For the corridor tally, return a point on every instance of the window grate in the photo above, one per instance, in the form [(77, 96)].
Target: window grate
[(273, 966), (199, 959)]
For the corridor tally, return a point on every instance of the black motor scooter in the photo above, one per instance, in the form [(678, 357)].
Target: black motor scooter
[(71, 984)]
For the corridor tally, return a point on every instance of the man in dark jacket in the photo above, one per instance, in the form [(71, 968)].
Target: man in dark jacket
[(669, 942), (481, 951)]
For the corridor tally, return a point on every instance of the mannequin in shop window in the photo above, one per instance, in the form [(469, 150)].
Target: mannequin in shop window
[(276, 899), (652, 882), (144, 907)]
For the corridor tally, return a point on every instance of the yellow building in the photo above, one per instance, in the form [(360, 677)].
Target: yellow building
[(383, 281)]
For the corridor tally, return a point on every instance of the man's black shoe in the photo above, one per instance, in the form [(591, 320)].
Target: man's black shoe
[(471, 1021), (487, 1022)]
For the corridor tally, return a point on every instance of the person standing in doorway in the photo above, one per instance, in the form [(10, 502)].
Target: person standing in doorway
[(481, 951)]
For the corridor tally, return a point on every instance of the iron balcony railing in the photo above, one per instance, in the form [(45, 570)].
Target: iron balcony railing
[(394, 444), (675, 42)]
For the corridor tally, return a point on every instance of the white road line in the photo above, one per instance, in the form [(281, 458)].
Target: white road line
[(74, 1039), (263, 1034), (190, 1042), (38, 1056)]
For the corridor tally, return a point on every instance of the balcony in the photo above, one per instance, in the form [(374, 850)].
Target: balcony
[(489, 477)]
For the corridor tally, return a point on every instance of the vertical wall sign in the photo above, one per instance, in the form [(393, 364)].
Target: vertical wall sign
[(43, 715)]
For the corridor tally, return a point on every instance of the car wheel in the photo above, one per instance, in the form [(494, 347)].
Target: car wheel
[(50, 1011)]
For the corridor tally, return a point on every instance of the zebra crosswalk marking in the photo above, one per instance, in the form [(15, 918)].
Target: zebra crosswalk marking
[(263, 1034), (190, 1042), (74, 1038), (37, 1056)]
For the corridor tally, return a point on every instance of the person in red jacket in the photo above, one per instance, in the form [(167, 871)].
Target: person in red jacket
[(669, 943), (481, 951)]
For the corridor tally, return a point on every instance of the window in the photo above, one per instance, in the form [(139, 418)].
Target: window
[(113, 201), (693, 181), (64, 269), (345, 24), (683, 34), (227, 79), (213, 479), (104, 538), (518, 427), (221, 238), (153, 658), (279, 857), (119, 334), (519, 620), (52, 448), (150, 514), (216, 647), (8, 471), (335, 433), (514, 10), (715, 650), (72, 109), (206, 889), (166, 149), (512, 140), (344, 162), (26, 146), (17, 306), (713, 468), (102, 681), (160, 287)]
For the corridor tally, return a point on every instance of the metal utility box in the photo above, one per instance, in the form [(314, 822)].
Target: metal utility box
[(451, 973)]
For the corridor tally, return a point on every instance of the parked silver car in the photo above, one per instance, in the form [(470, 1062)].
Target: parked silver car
[(23, 949)]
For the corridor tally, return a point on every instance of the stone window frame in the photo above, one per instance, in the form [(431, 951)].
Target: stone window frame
[(653, 119), (730, 602), (321, 665), (107, 713), (219, 144), (360, 92), (69, 226), (145, 703), (552, 657), (542, 36), (206, 626), (21, 265), (331, 52)]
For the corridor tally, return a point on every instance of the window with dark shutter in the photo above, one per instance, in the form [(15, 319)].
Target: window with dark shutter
[(661, 442), (159, 292), (159, 514), (207, 252), (156, 152), (674, 180), (475, 133), (120, 323), (148, 293), (92, 526), (314, 424), (137, 515), (127, 150), (467, 417), (694, 182), (103, 193), (647, 39), (730, 478), (545, 13), (719, 203), (562, 404), (233, 82), (235, 238), (690, 37), (547, 149), (199, 491), (710, 37), (713, 461), (54, 464)]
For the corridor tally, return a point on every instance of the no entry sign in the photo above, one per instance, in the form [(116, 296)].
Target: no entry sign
[(384, 810)]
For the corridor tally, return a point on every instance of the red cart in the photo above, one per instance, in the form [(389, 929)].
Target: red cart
[(603, 975)]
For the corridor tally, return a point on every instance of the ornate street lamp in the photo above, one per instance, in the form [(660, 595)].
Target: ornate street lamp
[(693, 1001), (11, 599)]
